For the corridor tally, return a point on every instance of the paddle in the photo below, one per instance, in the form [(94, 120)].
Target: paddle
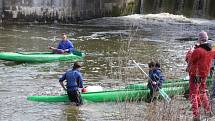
[(34, 53), (52, 42), (161, 91)]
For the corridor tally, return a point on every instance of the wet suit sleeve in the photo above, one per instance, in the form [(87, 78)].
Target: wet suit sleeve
[(158, 78), (62, 78), (70, 47), (161, 78), (80, 81), (61, 81)]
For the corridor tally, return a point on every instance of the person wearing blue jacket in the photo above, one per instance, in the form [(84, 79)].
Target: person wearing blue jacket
[(64, 46), (156, 79), (74, 81)]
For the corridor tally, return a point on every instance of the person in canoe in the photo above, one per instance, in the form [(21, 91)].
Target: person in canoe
[(64, 46), (155, 81), (74, 81), (199, 62)]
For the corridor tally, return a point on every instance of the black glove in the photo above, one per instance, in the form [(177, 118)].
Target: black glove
[(197, 79)]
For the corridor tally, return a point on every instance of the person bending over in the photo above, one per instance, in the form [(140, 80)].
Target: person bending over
[(74, 81)]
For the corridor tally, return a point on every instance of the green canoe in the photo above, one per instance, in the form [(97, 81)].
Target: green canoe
[(108, 96), (39, 57)]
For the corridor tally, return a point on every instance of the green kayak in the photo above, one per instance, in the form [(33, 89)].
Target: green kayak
[(167, 84), (39, 57), (108, 96)]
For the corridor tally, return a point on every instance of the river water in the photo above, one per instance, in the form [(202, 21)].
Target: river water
[(110, 43)]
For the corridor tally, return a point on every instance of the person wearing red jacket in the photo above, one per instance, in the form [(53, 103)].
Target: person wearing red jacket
[(199, 61)]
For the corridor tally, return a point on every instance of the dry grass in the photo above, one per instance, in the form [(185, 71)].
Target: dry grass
[(177, 110)]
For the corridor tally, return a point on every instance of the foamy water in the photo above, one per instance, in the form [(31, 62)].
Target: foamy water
[(162, 26)]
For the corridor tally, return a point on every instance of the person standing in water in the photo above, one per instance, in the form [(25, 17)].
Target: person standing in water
[(74, 82), (64, 46), (199, 62)]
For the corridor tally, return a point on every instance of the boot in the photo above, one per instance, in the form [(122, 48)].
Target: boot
[(196, 119)]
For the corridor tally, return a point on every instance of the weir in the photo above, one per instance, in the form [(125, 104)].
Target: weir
[(189, 8), (65, 11), (70, 11)]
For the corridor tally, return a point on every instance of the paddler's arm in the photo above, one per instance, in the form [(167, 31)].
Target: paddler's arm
[(79, 81), (81, 85), (52, 48), (161, 78), (61, 81), (71, 47)]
